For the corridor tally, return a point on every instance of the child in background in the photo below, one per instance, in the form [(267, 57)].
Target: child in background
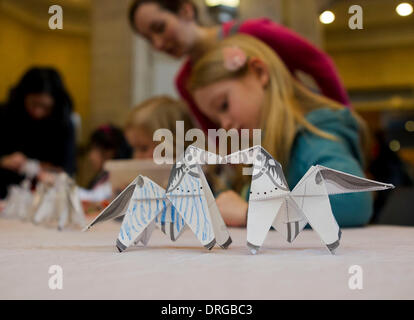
[(106, 143), (243, 84), (162, 113), (156, 113)]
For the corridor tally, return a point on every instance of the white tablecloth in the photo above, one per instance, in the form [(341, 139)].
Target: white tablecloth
[(92, 267)]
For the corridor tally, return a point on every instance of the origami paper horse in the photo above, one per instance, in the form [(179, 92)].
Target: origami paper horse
[(272, 203)]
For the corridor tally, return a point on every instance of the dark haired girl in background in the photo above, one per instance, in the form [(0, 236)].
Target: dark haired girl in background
[(35, 123), (106, 143)]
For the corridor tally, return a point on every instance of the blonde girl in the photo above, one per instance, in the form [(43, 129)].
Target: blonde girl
[(243, 84)]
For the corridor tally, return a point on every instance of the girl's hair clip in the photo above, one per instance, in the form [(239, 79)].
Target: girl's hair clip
[(105, 128), (234, 58)]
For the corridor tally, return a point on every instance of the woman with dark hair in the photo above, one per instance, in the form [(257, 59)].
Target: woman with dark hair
[(171, 26), (35, 123)]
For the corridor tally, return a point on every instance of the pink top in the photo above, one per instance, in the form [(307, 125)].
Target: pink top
[(296, 52)]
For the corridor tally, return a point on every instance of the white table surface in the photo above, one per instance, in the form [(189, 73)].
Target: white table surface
[(93, 268)]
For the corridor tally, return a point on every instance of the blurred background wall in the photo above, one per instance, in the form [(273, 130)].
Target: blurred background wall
[(26, 40)]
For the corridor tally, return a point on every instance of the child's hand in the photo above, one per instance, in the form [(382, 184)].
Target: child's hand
[(47, 177), (13, 162), (233, 209)]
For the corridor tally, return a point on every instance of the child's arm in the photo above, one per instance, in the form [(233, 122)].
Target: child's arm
[(233, 208), (13, 162)]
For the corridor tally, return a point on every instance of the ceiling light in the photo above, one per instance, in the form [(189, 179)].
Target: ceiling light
[(213, 3), (227, 3), (395, 145), (409, 126), (327, 17), (230, 3), (404, 9)]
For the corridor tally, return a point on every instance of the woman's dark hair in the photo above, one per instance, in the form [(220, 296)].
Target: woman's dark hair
[(173, 6), (42, 80), (111, 138)]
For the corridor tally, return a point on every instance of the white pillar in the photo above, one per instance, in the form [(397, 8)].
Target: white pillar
[(271, 9), (302, 17), (112, 63)]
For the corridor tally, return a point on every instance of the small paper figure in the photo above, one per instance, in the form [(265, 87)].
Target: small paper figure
[(272, 203), (56, 203), (19, 201), (190, 194), (187, 201), (144, 205)]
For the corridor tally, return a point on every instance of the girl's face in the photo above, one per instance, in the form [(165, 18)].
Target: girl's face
[(98, 157), (39, 105), (141, 142), (167, 32), (235, 103)]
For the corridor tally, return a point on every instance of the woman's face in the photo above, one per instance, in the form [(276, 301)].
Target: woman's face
[(39, 105), (167, 32), (233, 104)]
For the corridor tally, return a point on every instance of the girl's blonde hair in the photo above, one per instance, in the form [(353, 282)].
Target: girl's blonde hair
[(160, 112), (287, 100)]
